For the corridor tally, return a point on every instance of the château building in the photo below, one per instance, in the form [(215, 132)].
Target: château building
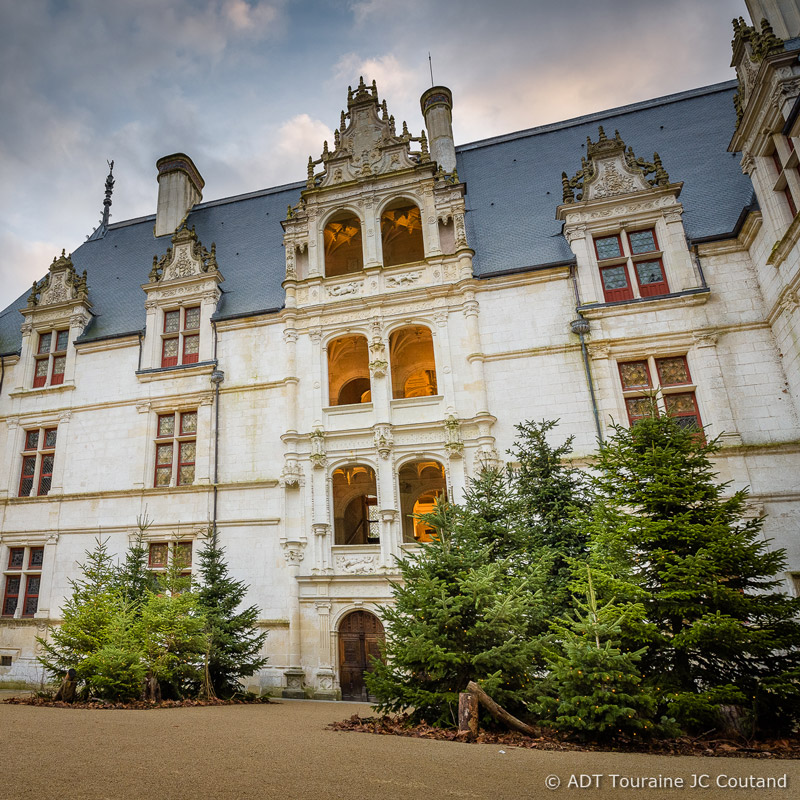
[(306, 367)]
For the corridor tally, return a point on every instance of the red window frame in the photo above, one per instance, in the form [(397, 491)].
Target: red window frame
[(164, 439), (9, 595), (637, 387), (11, 551), (656, 288), (178, 436), (623, 292), (31, 594), (609, 236), (46, 453), (661, 381), (180, 337), (695, 414), (153, 548), (651, 231), (59, 357), (39, 551), (51, 354)]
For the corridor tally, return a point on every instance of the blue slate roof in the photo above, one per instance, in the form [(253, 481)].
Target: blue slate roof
[(513, 189)]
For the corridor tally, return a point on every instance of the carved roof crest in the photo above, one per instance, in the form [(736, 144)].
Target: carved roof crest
[(62, 284), (609, 169), (185, 258), (366, 143)]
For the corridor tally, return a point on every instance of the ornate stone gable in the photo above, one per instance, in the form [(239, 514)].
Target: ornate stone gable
[(62, 284), (185, 258), (608, 169), (750, 48), (366, 143)]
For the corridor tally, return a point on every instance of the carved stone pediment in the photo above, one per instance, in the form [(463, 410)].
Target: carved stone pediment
[(185, 258), (608, 169), (62, 284), (366, 143)]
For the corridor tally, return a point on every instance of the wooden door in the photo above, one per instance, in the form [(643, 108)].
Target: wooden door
[(360, 635)]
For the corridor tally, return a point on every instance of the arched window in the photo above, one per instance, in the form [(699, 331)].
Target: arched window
[(355, 505), (348, 371), (421, 484), (343, 251), (401, 234), (413, 366)]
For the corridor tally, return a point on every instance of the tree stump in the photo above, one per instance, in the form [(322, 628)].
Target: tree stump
[(467, 716), (69, 687), (152, 691)]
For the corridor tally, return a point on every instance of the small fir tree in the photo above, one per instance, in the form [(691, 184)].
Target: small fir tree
[(719, 630), (134, 579), (594, 688), (233, 641), (94, 617)]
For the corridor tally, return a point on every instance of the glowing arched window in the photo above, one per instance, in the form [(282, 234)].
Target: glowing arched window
[(355, 505), (413, 366), (348, 371), (421, 484), (343, 251), (401, 234)]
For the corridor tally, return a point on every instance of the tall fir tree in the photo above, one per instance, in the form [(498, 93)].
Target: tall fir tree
[(718, 628), (233, 642), (467, 608), (134, 579)]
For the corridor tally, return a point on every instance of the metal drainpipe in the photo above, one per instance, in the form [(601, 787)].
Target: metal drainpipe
[(217, 377), (695, 250), (580, 326), (2, 372)]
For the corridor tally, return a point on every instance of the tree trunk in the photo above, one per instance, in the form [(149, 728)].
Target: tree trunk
[(467, 715), (500, 714), (68, 688)]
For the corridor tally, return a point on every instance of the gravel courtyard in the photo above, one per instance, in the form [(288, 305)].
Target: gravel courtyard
[(283, 750)]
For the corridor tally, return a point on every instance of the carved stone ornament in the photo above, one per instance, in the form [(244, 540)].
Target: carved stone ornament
[(293, 552), (487, 458), (291, 474), (609, 170), (185, 258), (357, 565), (61, 285), (452, 437), (318, 456), (366, 144), (403, 280), (344, 289), (384, 440)]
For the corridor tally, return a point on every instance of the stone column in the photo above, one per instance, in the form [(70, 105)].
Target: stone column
[(294, 673), (292, 379), (208, 304), (62, 453), (27, 365), (322, 548), (380, 380), (205, 440), (475, 354), (48, 571), (12, 458), (326, 673)]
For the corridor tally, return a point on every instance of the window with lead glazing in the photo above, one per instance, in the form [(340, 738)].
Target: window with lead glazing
[(176, 447), (180, 338), (38, 456), (630, 265), (163, 555), (660, 384), (51, 358), (22, 580)]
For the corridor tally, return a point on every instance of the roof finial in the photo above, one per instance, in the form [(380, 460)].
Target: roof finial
[(109, 189)]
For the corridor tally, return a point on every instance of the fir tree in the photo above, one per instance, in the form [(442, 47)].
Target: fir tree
[(233, 641), (133, 577), (719, 630), (468, 608), (550, 493), (91, 619), (594, 687)]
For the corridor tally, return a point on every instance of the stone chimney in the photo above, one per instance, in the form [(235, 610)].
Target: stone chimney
[(180, 186), (782, 15), (437, 105)]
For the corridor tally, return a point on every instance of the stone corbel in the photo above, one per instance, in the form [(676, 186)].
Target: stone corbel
[(291, 474), (318, 457), (452, 437), (574, 233), (293, 552), (384, 440), (706, 338)]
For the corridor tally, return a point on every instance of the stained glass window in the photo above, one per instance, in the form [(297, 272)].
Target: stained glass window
[(28, 471), (189, 422), (170, 348), (183, 554), (46, 476), (31, 595), (639, 407), (62, 337), (634, 375), (672, 371), (159, 552), (642, 241), (166, 425), (649, 272), (44, 342), (172, 321), (50, 437), (608, 247), (11, 596), (31, 440), (41, 371), (36, 558)]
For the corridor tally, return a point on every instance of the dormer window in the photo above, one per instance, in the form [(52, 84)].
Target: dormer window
[(785, 161), (181, 336), (51, 358), (636, 253)]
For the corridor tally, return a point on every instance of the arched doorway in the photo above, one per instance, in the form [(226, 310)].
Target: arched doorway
[(360, 635)]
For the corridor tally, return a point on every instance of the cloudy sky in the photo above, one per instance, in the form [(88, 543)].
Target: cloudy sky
[(250, 88)]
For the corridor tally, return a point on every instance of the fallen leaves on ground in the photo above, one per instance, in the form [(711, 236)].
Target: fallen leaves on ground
[(551, 740)]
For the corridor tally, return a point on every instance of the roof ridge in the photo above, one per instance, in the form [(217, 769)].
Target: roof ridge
[(599, 115)]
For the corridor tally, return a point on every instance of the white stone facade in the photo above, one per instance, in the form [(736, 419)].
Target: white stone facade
[(267, 438)]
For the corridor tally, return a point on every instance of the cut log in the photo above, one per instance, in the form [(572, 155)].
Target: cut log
[(499, 713), (467, 715)]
